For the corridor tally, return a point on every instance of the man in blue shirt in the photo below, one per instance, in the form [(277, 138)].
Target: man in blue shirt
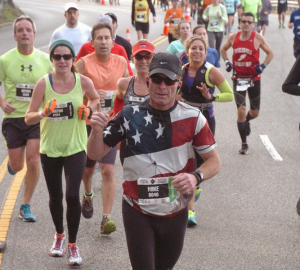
[(295, 22)]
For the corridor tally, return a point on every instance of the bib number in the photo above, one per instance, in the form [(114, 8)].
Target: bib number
[(136, 100), (107, 103), (282, 1), (63, 111), (175, 21), (242, 84), (214, 24), (140, 17), (24, 92), (156, 190), (298, 30)]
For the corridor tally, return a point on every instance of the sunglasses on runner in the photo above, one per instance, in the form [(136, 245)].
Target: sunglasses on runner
[(141, 57), (244, 21), (157, 80), (57, 57)]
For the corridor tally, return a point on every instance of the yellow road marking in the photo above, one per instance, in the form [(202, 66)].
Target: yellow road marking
[(10, 201), (3, 168), (161, 41)]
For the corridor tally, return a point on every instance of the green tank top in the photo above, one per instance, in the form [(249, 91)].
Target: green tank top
[(62, 133)]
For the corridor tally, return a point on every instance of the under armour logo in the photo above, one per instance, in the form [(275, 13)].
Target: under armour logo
[(29, 67)]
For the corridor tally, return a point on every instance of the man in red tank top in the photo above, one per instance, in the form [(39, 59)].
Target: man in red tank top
[(246, 72)]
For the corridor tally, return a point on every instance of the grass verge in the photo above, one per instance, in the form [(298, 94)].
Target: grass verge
[(8, 13)]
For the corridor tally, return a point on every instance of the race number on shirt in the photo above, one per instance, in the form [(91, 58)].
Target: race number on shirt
[(156, 190), (62, 111), (24, 92), (106, 104), (242, 84)]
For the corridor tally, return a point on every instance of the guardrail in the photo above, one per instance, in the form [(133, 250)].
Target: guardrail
[(292, 5)]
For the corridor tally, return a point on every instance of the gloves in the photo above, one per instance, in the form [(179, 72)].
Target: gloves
[(229, 66), (260, 68), (49, 107), (84, 112)]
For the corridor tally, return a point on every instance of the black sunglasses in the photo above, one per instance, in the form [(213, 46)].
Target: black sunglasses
[(157, 80), (244, 21), (57, 57), (141, 57)]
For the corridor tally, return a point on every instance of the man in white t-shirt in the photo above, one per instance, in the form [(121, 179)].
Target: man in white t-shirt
[(74, 31)]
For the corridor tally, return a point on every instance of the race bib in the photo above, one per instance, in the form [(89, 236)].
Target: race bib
[(140, 17), (106, 104), (175, 21), (214, 24), (298, 30), (242, 84), (62, 112), (282, 1), (156, 190), (136, 100), (24, 92)]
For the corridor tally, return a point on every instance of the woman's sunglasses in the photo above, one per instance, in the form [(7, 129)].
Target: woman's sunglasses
[(141, 57), (157, 80), (57, 57)]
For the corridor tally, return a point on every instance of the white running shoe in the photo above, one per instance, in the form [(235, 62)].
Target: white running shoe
[(57, 249)]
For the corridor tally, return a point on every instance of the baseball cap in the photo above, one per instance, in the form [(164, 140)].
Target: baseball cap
[(105, 19), (70, 5), (167, 64), (61, 42), (113, 16), (143, 46)]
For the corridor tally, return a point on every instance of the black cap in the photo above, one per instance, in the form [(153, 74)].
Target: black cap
[(167, 64), (113, 16)]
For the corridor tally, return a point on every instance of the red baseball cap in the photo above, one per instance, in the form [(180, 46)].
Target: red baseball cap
[(143, 46)]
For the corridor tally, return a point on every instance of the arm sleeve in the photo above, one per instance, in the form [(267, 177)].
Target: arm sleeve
[(226, 94), (151, 8), (290, 85), (118, 105), (132, 12), (224, 14)]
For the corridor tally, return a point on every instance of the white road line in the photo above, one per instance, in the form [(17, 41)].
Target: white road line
[(274, 154)]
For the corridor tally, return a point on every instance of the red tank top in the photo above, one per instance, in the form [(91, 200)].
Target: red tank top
[(245, 56)]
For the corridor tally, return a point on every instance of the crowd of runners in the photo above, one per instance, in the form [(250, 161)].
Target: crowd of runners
[(69, 109)]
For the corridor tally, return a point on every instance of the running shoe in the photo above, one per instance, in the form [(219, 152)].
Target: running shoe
[(87, 209), (197, 193), (298, 207), (57, 249), (74, 258), (9, 169), (25, 213), (279, 26), (107, 225), (192, 219), (244, 150), (283, 26), (248, 128)]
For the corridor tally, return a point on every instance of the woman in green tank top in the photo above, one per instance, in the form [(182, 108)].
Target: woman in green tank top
[(63, 140)]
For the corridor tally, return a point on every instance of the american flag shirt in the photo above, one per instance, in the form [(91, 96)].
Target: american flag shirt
[(160, 144)]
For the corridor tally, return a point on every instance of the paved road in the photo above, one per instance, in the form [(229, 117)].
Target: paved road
[(246, 214)]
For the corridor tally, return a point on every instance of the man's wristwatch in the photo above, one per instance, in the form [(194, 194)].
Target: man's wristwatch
[(213, 97), (199, 176)]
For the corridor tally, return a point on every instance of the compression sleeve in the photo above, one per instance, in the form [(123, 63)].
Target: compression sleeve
[(290, 85), (118, 105), (226, 94)]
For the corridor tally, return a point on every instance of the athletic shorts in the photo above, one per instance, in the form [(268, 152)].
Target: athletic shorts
[(253, 94), (144, 27), (261, 23), (231, 14), (16, 132), (281, 8)]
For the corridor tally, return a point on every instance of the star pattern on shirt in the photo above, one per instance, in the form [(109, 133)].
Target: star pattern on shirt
[(126, 124), (121, 130), (148, 118), (135, 109), (159, 131), (107, 131), (137, 137)]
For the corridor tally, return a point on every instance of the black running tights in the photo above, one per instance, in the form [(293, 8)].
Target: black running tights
[(154, 243), (73, 166)]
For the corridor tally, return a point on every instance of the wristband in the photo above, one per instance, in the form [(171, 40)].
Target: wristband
[(41, 114), (199, 176), (91, 113)]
